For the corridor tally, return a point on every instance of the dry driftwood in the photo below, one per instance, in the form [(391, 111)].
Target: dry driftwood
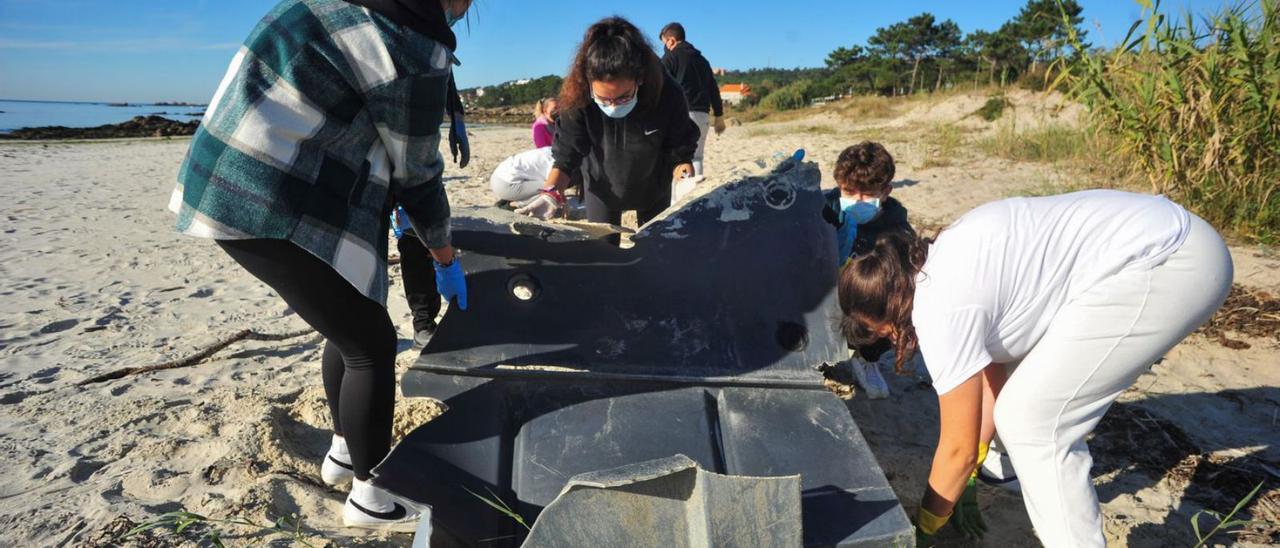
[(244, 334)]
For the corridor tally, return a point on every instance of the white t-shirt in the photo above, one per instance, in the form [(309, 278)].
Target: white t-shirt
[(996, 277)]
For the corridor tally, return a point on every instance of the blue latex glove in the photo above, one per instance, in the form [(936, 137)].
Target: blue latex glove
[(845, 235), (400, 222), (451, 282), (458, 143)]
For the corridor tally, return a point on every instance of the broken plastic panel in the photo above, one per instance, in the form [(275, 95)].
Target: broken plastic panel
[(577, 356), (671, 502)]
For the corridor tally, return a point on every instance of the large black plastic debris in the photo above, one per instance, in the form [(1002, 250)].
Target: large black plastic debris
[(577, 356)]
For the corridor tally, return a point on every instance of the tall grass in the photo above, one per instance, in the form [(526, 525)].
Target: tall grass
[(943, 144), (1194, 104), (856, 109), (1050, 143)]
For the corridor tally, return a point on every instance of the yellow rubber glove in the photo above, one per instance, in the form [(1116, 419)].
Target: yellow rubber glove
[(927, 525), (983, 449)]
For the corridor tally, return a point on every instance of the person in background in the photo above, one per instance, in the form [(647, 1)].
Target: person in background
[(419, 278), (519, 177), (696, 79), (545, 112), (625, 122), (329, 113), (860, 209), (1082, 291)]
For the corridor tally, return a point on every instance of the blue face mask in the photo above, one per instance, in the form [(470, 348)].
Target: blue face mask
[(616, 111), (860, 211)]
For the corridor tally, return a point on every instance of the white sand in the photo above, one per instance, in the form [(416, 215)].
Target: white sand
[(96, 279)]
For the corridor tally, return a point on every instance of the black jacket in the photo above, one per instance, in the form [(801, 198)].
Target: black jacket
[(627, 162), (687, 65)]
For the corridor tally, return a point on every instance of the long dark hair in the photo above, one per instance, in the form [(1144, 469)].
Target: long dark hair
[(878, 287), (612, 49)]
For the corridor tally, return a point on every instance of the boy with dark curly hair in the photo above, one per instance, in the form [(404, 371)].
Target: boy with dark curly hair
[(860, 209)]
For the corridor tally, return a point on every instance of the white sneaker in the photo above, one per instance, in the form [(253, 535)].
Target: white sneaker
[(371, 507), (869, 378), (998, 470), (336, 469), (421, 338)]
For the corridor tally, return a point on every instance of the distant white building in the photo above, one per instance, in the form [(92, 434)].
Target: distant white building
[(734, 93), (521, 82)]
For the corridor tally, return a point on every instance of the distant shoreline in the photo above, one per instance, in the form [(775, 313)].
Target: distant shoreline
[(8, 138), (138, 126), (111, 103)]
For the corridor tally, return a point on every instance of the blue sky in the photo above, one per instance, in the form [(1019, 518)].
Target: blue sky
[(153, 50)]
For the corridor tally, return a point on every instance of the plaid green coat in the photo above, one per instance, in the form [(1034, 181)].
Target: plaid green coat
[(327, 116)]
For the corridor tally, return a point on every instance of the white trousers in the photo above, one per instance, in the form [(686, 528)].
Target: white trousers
[(703, 119), (512, 184), (1096, 347)]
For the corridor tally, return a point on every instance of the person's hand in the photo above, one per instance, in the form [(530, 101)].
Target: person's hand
[(927, 524), (967, 517), (685, 186), (458, 143), (543, 206), (452, 283), (719, 125), (400, 222), (682, 171)]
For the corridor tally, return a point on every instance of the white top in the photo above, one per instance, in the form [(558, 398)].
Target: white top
[(530, 164), (996, 277)]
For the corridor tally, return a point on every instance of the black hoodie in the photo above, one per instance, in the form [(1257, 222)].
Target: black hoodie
[(424, 17), (627, 162), (692, 70)]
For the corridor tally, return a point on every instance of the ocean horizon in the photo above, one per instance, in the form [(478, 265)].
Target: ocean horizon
[(19, 113)]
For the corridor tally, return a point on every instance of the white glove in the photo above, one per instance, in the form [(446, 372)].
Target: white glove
[(684, 186), (543, 206)]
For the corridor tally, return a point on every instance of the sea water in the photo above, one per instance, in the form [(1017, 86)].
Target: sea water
[(20, 114)]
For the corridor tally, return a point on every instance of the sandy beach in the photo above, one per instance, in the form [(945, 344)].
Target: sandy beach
[(97, 280)]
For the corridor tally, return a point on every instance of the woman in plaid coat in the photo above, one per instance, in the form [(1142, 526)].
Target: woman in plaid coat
[(328, 115)]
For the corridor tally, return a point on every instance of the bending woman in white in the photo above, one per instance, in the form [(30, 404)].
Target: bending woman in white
[(1082, 292), (519, 177)]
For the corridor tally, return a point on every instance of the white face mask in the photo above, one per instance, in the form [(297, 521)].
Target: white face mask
[(860, 211), (616, 110)]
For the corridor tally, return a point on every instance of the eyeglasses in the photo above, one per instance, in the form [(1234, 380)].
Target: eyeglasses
[(617, 101)]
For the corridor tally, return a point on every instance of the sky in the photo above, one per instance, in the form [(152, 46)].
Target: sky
[(177, 50)]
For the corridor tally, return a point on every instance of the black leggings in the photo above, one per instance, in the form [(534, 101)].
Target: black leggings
[(360, 342)]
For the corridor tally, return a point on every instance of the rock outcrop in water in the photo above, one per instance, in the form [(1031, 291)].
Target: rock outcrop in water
[(139, 126)]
